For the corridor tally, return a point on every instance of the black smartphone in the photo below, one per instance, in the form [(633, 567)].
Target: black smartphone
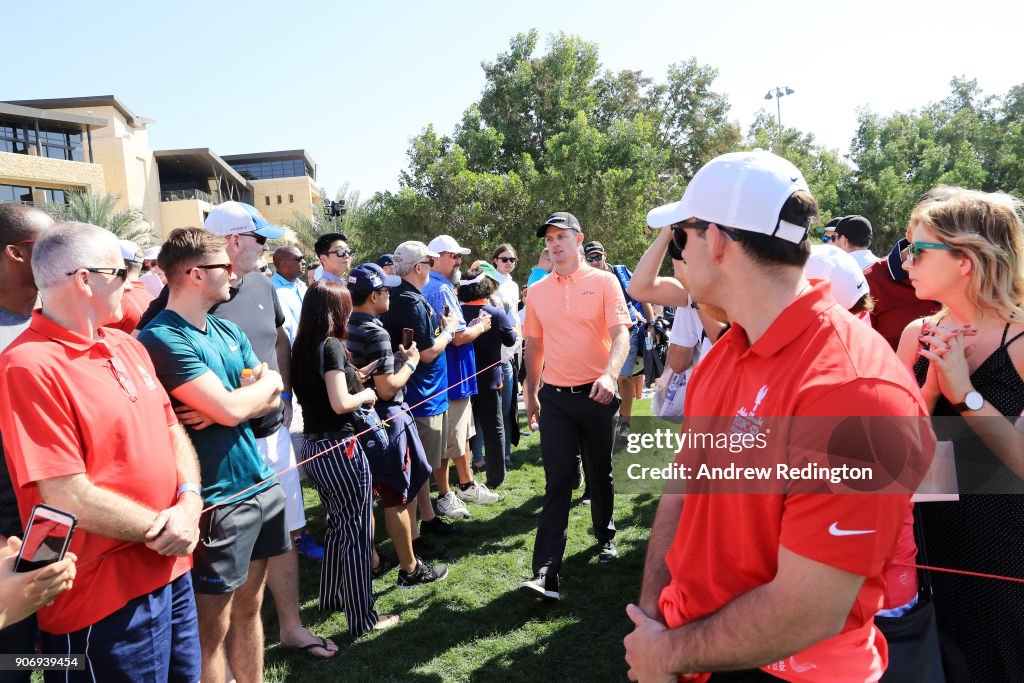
[(447, 310), (406, 337), (368, 370), (47, 538)]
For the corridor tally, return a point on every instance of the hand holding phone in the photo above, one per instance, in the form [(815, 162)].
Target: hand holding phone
[(47, 537), (23, 593)]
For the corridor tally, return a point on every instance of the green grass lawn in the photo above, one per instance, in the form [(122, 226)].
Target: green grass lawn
[(475, 626)]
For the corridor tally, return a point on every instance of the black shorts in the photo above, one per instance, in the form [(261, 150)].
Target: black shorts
[(233, 535)]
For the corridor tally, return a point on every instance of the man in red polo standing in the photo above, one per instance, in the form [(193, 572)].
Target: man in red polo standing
[(89, 430), (780, 584), (577, 332)]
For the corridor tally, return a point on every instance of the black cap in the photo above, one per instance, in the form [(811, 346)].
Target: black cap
[(559, 219), (857, 229), (833, 223), (594, 247)]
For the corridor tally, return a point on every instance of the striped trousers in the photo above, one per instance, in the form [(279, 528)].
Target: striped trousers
[(342, 478)]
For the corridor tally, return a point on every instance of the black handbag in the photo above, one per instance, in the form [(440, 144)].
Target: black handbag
[(371, 431)]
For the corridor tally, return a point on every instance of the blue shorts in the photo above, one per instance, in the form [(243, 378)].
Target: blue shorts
[(155, 637), (636, 338)]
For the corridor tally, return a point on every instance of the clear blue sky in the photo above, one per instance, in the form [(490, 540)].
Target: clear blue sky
[(353, 82)]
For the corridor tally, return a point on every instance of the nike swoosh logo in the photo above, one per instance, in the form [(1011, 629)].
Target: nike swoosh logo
[(232, 347), (859, 285), (836, 531)]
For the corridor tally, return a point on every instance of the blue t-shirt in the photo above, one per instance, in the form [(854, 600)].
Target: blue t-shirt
[(228, 458), (461, 361), (409, 309)]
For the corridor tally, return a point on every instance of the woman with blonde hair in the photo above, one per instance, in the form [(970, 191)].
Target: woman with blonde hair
[(967, 252)]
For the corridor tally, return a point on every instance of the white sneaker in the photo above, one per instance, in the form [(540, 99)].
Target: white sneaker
[(450, 506), (478, 493)]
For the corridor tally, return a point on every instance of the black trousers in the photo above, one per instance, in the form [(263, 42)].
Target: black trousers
[(487, 413), (570, 423)]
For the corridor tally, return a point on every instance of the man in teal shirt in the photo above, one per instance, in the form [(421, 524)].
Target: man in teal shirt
[(200, 360)]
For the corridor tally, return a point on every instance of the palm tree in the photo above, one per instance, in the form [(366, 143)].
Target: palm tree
[(100, 208)]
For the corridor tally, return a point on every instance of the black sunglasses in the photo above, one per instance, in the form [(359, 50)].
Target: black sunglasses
[(595, 258), (679, 234), (260, 239), (116, 272), (506, 259), (428, 262), (341, 253)]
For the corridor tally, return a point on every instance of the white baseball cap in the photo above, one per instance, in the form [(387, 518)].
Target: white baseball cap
[(235, 218), (828, 262), (130, 251), (151, 254), (443, 243), (742, 190)]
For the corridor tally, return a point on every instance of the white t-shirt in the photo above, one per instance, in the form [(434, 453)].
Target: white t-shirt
[(687, 330), (507, 294), (864, 258)]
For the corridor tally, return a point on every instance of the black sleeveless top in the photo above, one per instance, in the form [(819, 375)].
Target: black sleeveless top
[(978, 469)]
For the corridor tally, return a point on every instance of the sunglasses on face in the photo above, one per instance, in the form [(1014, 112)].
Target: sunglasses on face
[(428, 262), (914, 250), (121, 273), (213, 266), (260, 239), (297, 259), (595, 259), (507, 259), (457, 257), (341, 253), (679, 233)]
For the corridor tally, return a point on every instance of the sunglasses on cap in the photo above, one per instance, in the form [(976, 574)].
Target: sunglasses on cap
[(260, 239), (914, 250), (121, 273), (679, 232)]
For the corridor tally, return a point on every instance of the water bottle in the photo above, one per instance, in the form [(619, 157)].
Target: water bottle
[(248, 377)]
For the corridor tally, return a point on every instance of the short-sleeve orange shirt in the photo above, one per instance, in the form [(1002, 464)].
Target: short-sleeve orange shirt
[(573, 314)]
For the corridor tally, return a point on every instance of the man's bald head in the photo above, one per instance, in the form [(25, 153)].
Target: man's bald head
[(288, 262), (19, 223)]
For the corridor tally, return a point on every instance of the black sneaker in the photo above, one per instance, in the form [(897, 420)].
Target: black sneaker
[(427, 551), (439, 527), (623, 435), (541, 587), (608, 552), (387, 563), (422, 575)]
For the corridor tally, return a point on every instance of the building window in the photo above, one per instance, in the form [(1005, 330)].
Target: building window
[(278, 199), (291, 199), (268, 199), (263, 170), (15, 193), (54, 196), (13, 138)]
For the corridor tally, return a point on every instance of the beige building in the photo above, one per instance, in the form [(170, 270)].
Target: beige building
[(51, 146)]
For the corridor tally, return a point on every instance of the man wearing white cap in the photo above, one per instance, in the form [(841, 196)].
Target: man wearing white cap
[(461, 369), (255, 308), (782, 583), (136, 299), (152, 277)]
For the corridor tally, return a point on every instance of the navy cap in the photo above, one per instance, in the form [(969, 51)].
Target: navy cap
[(369, 277), (386, 260)]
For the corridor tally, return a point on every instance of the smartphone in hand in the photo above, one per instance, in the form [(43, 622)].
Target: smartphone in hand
[(46, 539)]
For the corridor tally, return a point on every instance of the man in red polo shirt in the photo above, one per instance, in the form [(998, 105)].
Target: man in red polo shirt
[(781, 584), (88, 429)]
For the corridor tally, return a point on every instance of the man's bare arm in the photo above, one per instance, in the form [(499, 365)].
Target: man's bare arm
[(99, 511), (663, 532), (647, 285)]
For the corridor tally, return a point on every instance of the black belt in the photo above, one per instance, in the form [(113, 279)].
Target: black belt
[(578, 389), (324, 436)]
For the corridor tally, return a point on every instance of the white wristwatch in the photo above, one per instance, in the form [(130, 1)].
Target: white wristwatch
[(972, 401)]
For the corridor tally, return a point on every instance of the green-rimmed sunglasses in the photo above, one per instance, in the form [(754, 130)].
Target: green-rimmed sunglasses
[(915, 248)]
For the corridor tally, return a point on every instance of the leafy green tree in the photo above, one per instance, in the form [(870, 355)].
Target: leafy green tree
[(100, 209)]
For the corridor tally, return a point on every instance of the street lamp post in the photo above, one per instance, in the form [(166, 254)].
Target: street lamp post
[(778, 93)]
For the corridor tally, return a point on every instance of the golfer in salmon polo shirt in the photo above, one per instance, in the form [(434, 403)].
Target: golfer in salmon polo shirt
[(578, 332), (776, 585)]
